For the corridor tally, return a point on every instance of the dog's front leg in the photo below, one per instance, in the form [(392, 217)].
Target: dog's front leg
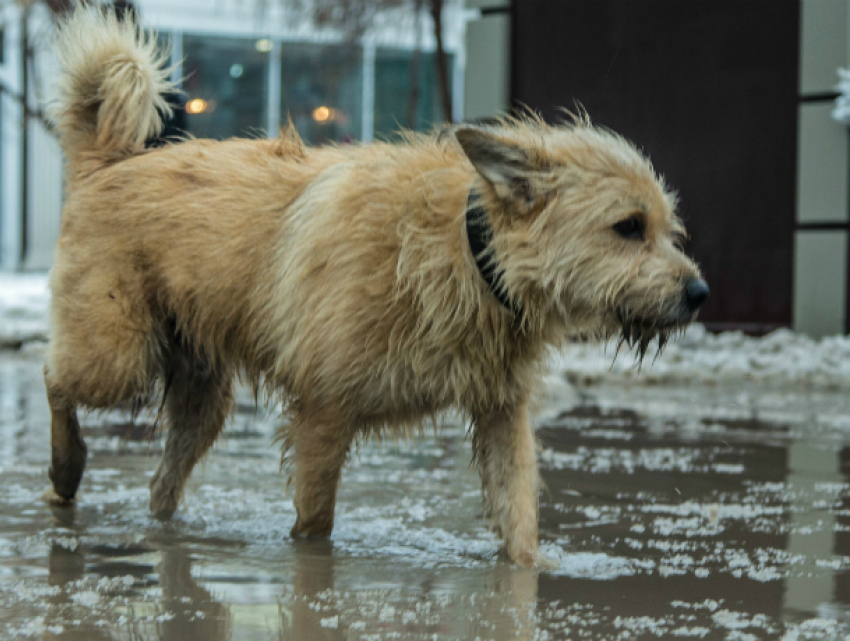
[(505, 450), (321, 447)]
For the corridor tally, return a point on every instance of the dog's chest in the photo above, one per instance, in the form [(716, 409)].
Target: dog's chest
[(428, 383)]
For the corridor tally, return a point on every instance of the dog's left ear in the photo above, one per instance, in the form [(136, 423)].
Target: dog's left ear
[(504, 164)]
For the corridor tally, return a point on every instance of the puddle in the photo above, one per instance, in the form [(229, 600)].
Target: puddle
[(717, 513)]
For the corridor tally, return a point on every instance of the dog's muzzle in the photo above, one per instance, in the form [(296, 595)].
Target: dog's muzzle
[(639, 331)]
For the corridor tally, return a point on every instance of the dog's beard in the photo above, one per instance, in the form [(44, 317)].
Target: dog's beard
[(638, 333)]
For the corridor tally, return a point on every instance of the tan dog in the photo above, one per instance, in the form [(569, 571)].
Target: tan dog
[(372, 286)]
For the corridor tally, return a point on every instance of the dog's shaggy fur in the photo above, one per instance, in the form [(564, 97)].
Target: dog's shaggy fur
[(340, 277)]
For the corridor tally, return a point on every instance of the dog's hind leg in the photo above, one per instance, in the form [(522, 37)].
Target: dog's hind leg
[(504, 447), (99, 356), (321, 447), (198, 399), (67, 449)]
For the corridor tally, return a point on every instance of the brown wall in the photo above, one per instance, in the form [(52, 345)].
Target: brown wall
[(709, 89)]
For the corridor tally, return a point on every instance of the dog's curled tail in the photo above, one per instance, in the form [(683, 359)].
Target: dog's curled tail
[(111, 88)]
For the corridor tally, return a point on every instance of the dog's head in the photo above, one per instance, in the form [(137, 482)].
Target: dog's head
[(585, 231)]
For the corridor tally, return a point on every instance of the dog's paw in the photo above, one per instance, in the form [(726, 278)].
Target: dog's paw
[(162, 508), (164, 499), (542, 562), (66, 474), (52, 498), (530, 557), (314, 529)]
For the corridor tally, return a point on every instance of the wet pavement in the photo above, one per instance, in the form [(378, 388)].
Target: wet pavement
[(689, 511)]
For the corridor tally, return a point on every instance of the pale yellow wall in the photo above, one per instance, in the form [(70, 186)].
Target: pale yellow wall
[(823, 43), (820, 282)]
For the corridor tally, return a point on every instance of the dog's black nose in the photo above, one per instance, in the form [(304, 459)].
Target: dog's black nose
[(696, 293)]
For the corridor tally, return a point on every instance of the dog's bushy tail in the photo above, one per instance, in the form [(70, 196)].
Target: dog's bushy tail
[(111, 86)]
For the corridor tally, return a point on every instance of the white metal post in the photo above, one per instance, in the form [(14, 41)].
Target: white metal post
[(177, 57), (458, 78), (273, 93), (10, 147), (368, 92)]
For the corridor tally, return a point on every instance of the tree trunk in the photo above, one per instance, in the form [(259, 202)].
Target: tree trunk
[(442, 62)]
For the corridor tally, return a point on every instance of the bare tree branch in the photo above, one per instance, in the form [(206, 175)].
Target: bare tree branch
[(59, 7)]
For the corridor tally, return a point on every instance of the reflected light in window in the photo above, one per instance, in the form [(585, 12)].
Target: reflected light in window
[(196, 106), (236, 70), (321, 114), (264, 45)]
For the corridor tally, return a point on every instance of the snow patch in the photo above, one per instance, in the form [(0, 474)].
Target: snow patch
[(591, 565), (24, 304), (699, 357)]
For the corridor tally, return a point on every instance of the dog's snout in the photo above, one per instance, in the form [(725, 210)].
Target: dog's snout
[(696, 293)]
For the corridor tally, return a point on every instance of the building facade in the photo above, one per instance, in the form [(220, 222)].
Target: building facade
[(762, 170), (242, 72), (732, 100)]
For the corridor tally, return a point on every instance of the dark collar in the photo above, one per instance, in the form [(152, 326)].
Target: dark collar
[(480, 235)]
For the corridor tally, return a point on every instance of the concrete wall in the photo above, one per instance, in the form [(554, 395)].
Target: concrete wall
[(820, 274)]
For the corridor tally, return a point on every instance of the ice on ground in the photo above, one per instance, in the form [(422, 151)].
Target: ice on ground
[(699, 357), (590, 565)]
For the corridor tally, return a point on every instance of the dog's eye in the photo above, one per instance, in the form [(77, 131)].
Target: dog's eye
[(679, 241), (631, 228)]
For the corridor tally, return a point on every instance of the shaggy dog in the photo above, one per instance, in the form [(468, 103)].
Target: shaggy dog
[(371, 286)]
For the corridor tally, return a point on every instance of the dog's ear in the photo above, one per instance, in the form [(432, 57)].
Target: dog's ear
[(504, 164)]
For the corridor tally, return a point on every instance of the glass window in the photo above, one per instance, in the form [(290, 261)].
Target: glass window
[(397, 106), (226, 86), (321, 89)]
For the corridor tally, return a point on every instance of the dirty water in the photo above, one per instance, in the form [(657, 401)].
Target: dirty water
[(716, 513)]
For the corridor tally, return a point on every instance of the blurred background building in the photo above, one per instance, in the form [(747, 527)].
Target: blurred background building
[(244, 67), (732, 100)]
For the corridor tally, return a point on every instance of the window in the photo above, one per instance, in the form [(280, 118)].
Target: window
[(226, 86), (227, 89), (321, 89), (397, 106)]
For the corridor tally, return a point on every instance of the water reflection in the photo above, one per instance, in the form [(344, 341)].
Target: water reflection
[(195, 613), (731, 520), (304, 615), (317, 605), (66, 566), (728, 511)]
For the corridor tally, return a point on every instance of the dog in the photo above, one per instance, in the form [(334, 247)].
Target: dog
[(370, 286)]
